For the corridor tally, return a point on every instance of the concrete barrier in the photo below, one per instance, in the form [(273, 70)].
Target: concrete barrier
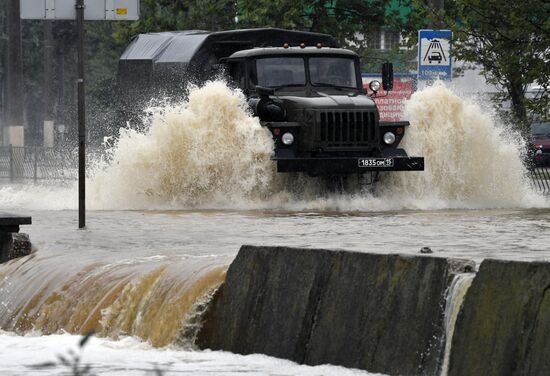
[(382, 313), (504, 325), (12, 243)]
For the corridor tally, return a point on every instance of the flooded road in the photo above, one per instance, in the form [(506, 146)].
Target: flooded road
[(171, 206), (521, 234)]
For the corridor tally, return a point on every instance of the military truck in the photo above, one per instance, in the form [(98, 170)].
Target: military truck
[(301, 85)]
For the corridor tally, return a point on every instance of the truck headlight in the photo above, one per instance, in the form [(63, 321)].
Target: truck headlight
[(389, 138), (287, 138), (374, 85)]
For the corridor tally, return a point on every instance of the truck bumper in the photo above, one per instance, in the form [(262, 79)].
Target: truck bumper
[(348, 165)]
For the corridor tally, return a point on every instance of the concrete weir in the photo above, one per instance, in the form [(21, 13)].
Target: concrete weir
[(504, 325), (382, 313)]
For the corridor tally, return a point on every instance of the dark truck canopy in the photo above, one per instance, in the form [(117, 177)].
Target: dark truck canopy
[(169, 59)]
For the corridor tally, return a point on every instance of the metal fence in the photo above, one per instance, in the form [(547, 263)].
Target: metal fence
[(37, 163), (540, 179)]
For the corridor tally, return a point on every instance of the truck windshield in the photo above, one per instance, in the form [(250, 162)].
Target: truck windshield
[(332, 71), (281, 71)]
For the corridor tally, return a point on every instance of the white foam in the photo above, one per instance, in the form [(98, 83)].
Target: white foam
[(130, 356)]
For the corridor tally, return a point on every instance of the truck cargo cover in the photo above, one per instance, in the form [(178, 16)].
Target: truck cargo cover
[(203, 46)]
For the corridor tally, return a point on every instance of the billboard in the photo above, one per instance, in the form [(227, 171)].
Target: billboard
[(391, 106), (94, 10)]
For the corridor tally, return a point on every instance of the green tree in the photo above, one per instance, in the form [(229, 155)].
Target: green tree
[(349, 21), (509, 41)]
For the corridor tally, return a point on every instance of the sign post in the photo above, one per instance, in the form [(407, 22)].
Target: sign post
[(434, 55), (123, 10), (81, 117)]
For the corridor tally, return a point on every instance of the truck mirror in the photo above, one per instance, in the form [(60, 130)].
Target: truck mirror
[(264, 91), (387, 76)]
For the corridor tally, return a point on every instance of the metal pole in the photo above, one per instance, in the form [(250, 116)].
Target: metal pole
[(35, 171), (12, 172), (81, 118), (48, 132), (14, 71)]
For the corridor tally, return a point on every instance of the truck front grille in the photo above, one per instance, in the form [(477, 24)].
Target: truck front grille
[(345, 128)]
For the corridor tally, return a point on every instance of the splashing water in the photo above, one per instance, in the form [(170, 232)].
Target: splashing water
[(209, 152), (470, 161)]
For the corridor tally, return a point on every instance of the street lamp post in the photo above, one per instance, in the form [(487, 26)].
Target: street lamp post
[(81, 117)]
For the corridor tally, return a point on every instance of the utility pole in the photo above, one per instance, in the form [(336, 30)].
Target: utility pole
[(47, 94), (3, 63), (97, 10), (14, 132), (81, 117)]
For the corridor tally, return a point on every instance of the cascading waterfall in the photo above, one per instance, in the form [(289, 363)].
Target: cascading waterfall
[(453, 302), (152, 298)]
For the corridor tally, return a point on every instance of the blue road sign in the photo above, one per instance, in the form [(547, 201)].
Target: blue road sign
[(434, 59)]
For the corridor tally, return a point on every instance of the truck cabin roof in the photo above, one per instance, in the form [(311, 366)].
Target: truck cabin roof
[(294, 51)]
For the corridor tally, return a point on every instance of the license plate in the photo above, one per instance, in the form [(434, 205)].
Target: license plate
[(375, 162)]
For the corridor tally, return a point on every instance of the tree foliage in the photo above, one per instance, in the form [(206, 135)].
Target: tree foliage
[(349, 21), (169, 15), (509, 41)]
